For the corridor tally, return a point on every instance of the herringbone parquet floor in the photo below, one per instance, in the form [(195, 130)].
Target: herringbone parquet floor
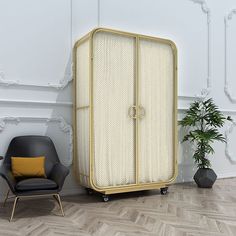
[(185, 211)]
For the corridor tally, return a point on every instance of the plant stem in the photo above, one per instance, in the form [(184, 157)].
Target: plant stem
[(202, 145)]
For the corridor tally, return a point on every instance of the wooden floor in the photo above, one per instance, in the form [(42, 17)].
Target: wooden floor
[(186, 210)]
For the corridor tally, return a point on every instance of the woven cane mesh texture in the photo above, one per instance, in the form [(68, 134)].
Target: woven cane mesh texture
[(156, 96), (83, 143), (82, 95), (82, 74), (114, 159)]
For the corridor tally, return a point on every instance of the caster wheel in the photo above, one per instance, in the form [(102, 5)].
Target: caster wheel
[(105, 198), (164, 191), (89, 191)]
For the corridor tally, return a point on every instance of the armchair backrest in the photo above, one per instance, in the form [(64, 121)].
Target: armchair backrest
[(33, 146)]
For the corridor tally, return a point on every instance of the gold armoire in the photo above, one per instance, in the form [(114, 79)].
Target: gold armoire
[(125, 112)]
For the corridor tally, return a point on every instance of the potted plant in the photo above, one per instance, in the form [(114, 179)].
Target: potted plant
[(203, 120)]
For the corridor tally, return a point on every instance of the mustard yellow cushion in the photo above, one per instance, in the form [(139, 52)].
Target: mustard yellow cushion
[(28, 166)]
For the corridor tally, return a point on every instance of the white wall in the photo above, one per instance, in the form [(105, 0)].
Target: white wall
[(36, 38)]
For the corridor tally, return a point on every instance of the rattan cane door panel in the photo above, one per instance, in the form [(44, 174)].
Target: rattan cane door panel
[(156, 128), (82, 163), (113, 94), (82, 75), (81, 158)]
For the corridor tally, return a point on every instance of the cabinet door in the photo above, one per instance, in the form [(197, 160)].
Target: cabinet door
[(81, 159), (156, 96), (113, 95)]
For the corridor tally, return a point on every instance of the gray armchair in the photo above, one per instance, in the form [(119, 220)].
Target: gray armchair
[(32, 146)]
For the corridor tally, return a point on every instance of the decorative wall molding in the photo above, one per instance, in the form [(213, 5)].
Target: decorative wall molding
[(225, 175), (227, 90), (68, 78), (61, 85), (205, 91), (35, 102), (228, 152), (63, 125)]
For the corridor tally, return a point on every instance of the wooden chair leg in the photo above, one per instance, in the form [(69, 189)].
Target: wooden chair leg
[(13, 209), (58, 199), (55, 197), (5, 200)]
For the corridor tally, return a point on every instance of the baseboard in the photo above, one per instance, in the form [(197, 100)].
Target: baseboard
[(80, 190), (72, 191), (226, 175)]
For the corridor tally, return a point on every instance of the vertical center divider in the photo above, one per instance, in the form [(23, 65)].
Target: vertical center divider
[(91, 126), (137, 110)]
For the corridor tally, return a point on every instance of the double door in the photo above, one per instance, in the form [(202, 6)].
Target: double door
[(133, 109)]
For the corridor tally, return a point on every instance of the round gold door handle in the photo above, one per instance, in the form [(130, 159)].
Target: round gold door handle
[(132, 112), (142, 112)]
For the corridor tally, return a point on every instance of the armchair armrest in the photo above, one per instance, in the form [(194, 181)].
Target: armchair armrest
[(5, 172), (58, 174)]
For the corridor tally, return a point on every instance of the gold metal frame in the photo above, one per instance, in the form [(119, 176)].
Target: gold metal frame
[(139, 112), (56, 196)]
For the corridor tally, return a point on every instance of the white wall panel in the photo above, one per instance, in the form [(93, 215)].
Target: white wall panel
[(35, 40), (85, 17)]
